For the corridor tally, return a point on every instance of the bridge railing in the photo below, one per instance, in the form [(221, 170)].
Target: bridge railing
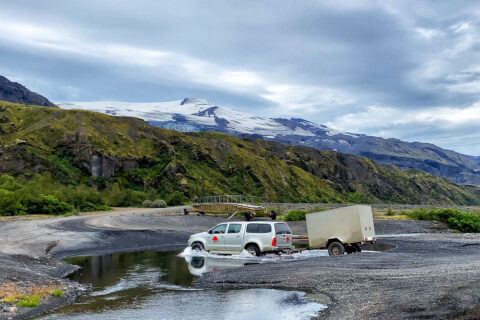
[(231, 199)]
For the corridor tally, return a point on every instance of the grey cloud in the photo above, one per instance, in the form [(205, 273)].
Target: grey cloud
[(370, 51)]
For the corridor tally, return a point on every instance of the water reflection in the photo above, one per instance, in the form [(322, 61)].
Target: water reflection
[(197, 265), (111, 269), (205, 305), (158, 285)]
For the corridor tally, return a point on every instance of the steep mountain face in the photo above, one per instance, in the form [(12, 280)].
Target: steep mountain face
[(194, 115), (78, 147), (15, 92)]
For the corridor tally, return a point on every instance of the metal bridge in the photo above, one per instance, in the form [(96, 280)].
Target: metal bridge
[(232, 204), (231, 199)]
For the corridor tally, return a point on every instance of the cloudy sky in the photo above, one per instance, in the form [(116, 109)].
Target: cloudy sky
[(403, 69)]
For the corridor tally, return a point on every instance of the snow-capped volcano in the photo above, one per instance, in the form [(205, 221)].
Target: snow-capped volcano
[(192, 114)]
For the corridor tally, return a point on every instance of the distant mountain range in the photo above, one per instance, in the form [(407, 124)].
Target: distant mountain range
[(130, 159), (194, 115), (15, 92)]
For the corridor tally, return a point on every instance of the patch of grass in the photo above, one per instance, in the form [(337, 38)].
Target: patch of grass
[(10, 291), (57, 293), (10, 299), (30, 301), (455, 219), (390, 212), (27, 297)]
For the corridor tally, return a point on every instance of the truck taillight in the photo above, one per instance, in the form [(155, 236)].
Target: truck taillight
[(274, 242)]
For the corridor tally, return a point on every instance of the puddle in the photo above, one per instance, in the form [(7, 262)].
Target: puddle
[(158, 285)]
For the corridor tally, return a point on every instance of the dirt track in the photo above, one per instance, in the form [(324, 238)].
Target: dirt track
[(434, 275)]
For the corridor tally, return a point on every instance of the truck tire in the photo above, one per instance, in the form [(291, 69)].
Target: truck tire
[(336, 249), (253, 249), (197, 246), (357, 247), (197, 262)]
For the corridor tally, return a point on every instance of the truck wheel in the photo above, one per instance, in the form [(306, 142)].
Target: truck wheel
[(336, 248), (357, 247), (197, 262), (197, 246), (253, 250)]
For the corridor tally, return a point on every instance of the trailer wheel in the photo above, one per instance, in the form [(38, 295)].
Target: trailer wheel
[(336, 248)]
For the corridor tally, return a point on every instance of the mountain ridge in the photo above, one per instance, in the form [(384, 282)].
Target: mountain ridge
[(195, 115), (79, 147)]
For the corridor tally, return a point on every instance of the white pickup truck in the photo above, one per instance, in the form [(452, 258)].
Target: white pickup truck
[(233, 237)]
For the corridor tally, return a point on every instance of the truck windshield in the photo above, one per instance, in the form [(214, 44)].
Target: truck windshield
[(281, 228)]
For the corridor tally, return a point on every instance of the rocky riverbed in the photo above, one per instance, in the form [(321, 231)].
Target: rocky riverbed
[(431, 274)]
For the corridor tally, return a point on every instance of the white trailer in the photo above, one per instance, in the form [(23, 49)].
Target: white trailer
[(341, 230)]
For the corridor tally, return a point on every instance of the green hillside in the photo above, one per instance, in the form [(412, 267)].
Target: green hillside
[(101, 159)]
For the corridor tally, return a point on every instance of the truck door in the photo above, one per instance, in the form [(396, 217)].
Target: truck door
[(234, 237), (216, 240)]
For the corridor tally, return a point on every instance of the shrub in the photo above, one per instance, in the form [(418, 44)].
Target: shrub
[(10, 204), (159, 204), (358, 197), (30, 301), (48, 205), (9, 183), (296, 215), (147, 204), (83, 198), (455, 219), (300, 215), (175, 199), (121, 197)]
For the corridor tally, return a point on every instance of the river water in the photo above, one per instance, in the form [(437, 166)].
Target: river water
[(158, 285)]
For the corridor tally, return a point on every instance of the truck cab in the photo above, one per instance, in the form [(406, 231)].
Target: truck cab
[(233, 237)]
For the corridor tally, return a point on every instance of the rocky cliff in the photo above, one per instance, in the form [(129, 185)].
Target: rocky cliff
[(15, 92)]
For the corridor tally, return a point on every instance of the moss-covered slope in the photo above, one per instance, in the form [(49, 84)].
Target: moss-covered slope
[(81, 147)]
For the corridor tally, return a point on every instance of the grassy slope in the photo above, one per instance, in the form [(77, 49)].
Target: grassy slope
[(55, 140)]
